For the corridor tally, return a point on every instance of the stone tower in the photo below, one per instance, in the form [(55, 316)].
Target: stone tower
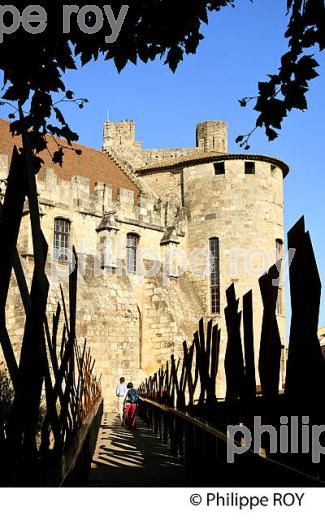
[(119, 134), (242, 208), (212, 136)]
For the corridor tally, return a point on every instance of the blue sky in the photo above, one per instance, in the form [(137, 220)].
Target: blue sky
[(242, 45)]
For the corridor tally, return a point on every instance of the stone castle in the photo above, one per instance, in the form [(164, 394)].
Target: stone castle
[(160, 235)]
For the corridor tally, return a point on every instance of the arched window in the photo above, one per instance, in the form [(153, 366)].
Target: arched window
[(61, 238), (215, 276), (132, 241)]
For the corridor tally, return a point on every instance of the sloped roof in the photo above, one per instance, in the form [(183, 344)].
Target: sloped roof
[(92, 164), (205, 157)]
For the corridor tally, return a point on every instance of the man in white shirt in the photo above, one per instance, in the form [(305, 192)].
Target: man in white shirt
[(120, 395)]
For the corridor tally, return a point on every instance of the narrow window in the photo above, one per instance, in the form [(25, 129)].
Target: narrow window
[(132, 241), (279, 256), (249, 168), (279, 249), (61, 238), (215, 276), (219, 168)]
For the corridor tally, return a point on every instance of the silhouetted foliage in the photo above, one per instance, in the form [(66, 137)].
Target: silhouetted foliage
[(287, 89), (33, 65), (6, 392)]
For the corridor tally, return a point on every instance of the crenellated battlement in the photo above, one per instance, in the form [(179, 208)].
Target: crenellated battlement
[(119, 140), (75, 195)]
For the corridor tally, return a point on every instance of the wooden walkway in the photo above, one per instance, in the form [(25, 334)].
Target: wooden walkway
[(138, 459), (130, 459)]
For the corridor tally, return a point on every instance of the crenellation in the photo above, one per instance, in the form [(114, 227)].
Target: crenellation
[(119, 140), (104, 194), (125, 197), (75, 195), (138, 238), (212, 136)]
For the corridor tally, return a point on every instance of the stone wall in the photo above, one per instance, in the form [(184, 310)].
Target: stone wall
[(128, 332), (245, 211), (108, 316), (212, 136), (4, 164), (166, 185), (119, 139), (171, 314)]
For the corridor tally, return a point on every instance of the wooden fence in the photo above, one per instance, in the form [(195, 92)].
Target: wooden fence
[(187, 386), (56, 392)]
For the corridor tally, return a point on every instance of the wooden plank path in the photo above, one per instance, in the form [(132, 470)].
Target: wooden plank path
[(138, 459), (130, 459)]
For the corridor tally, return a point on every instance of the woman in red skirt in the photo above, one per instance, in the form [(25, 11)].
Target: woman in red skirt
[(131, 403)]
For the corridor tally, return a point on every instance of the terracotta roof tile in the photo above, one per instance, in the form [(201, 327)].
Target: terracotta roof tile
[(92, 164)]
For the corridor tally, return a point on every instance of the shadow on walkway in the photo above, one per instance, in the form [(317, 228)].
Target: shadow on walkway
[(124, 458), (138, 459)]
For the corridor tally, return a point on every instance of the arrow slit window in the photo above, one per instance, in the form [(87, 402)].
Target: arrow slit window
[(215, 275), (279, 256)]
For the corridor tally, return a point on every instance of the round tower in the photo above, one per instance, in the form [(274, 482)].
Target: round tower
[(212, 136), (235, 210)]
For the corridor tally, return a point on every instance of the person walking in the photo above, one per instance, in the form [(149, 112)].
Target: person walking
[(120, 395), (131, 404)]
